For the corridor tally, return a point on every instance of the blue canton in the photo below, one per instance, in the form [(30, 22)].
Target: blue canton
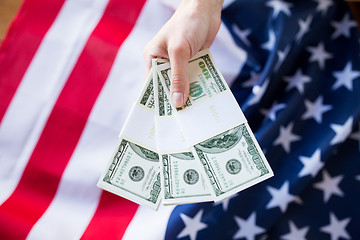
[(300, 91)]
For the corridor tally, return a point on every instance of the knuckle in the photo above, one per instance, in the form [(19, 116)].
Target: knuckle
[(179, 50)]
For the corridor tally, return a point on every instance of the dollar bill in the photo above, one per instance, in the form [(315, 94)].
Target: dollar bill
[(182, 181), (232, 161), (214, 125), (202, 152), (133, 171), (206, 80)]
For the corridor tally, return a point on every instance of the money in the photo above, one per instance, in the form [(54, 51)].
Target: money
[(133, 172), (204, 151), (214, 125), (181, 179), (232, 161)]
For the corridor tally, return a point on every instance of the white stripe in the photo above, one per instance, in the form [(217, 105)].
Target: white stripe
[(148, 224), (40, 87)]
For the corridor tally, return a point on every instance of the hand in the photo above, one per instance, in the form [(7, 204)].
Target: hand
[(193, 27)]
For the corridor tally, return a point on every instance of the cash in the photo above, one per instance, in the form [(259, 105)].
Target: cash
[(204, 151), (133, 171), (182, 181)]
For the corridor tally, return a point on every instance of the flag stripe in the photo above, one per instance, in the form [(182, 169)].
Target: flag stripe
[(77, 196), (66, 122), (41, 86), (113, 219), (144, 216), (80, 194), (21, 43), (114, 213)]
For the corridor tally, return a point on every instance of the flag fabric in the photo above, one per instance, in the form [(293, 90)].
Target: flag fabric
[(70, 71)]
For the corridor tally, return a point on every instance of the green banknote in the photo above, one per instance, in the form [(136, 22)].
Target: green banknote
[(182, 181), (206, 82), (133, 172), (214, 125), (204, 151), (232, 161)]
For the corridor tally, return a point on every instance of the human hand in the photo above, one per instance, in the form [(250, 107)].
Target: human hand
[(193, 27)]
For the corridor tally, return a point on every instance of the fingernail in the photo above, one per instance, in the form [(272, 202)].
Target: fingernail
[(177, 99)]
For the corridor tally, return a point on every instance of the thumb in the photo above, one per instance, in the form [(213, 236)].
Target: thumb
[(179, 89)]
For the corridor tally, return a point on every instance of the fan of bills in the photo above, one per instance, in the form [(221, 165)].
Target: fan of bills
[(202, 152)]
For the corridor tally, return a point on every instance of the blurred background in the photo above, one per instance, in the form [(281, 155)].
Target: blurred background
[(72, 51), (8, 9)]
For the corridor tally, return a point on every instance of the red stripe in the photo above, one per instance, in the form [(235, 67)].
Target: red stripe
[(111, 218), (21, 43), (67, 120)]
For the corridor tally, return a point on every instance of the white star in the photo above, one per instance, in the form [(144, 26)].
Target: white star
[(336, 228), (312, 165), (319, 54), (323, 5), (271, 112), (345, 77), (356, 136), (315, 109), (225, 202), (251, 82), (295, 233), (281, 198), (243, 34), (258, 92), (192, 225), (280, 6), (281, 57), (286, 137), (304, 28), (297, 81), (357, 177), (269, 45), (247, 227), (330, 186), (343, 27), (342, 131)]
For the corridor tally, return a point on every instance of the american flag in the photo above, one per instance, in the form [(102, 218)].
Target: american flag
[(70, 71)]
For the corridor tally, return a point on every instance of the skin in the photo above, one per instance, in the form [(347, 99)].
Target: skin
[(193, 27)]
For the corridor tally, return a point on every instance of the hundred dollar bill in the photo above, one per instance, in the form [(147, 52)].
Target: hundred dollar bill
[(182, 181), (232, 161), (133, 171), (214, 125)]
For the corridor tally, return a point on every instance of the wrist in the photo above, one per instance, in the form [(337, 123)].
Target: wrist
[(211, 6)]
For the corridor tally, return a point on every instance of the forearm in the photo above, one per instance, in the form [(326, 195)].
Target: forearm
[(212, 8)]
